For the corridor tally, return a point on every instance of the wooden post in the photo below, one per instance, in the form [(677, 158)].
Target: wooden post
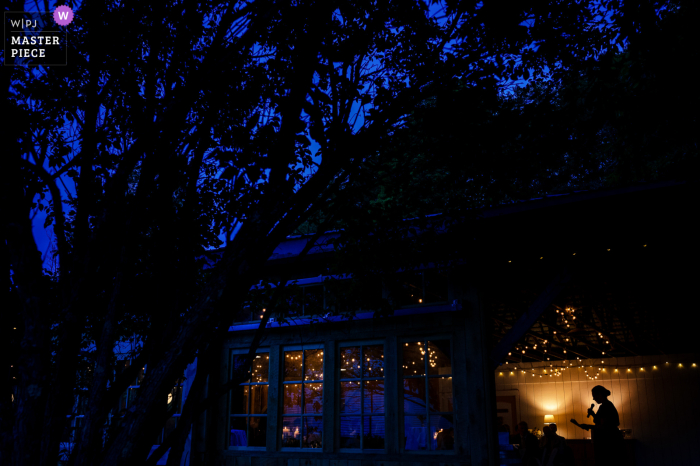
[(480, 384), (392, 389), (329, 403), (198, 448), (273, 399)]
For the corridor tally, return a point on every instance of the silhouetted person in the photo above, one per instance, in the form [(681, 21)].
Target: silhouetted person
[(567, 454), (607, 438), (555, 449), (529, 446), (553, 429), (515, 436), (545, 437), (504, 437)]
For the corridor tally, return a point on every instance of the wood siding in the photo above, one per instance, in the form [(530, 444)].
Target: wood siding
[(661, 406)]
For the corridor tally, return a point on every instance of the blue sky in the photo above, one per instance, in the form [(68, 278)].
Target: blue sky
[(44, 237)]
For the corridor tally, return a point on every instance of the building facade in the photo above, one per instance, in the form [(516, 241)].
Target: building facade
[(379, 390), (418, 386)]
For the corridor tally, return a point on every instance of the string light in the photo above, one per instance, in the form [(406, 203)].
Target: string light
[(557, 371)]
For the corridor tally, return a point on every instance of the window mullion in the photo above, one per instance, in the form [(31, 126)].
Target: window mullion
[(303, 389), (426, 356), (362, 398)]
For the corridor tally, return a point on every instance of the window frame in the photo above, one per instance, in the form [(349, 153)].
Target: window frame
[(361, 415), (284, 349), (232, 353), (402, 415)]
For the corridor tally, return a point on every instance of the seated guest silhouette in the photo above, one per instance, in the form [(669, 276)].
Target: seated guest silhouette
[(545, 437), (554, 451), (529, 446)]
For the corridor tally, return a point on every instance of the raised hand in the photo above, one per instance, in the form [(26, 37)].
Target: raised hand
[(590, 410), (582, 426)]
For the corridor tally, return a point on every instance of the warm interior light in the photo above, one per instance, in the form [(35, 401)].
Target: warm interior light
[(548, 418)]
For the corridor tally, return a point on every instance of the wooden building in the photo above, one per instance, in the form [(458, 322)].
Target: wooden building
[(543, 297)]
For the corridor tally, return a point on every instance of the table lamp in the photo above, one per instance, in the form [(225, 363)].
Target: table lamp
[(549, 419)]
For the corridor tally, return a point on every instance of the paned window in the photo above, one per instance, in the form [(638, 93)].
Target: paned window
[(362, 397), (302, 413), (427, 395), (248, 403)]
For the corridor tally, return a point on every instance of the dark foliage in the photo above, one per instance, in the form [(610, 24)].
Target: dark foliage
[(179, 123)]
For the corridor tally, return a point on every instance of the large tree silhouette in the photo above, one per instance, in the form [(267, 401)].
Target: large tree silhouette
[(178, 123)]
